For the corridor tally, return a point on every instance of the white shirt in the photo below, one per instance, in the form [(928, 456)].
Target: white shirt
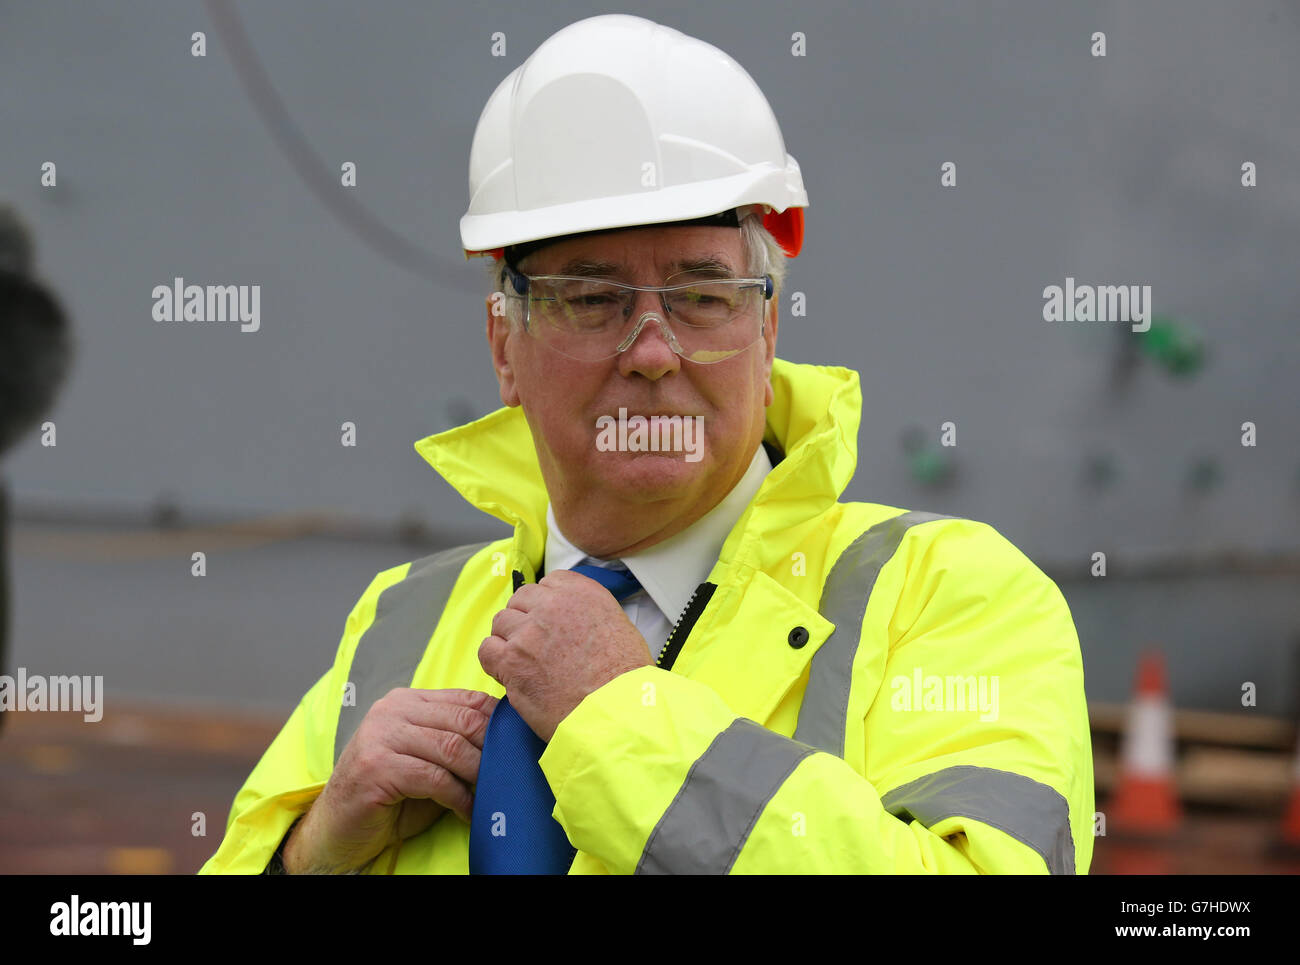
[(670, 570)]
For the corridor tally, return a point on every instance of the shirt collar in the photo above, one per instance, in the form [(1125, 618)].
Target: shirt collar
[(670, 570)]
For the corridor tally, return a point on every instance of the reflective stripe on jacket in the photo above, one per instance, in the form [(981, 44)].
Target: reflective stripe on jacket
[(855, 689)]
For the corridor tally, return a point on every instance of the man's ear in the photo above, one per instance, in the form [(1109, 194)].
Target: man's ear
[(499, 331)]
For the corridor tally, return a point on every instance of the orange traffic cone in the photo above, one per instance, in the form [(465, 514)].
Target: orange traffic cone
[(1289, 840), (1146, 801)]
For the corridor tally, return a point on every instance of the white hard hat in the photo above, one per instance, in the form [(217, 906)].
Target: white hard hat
[(617, 121)]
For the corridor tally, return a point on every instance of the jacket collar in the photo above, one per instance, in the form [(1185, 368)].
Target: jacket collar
[(813, 420)]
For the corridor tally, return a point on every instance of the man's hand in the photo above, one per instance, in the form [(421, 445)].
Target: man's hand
[(555, 642), (414, 756)]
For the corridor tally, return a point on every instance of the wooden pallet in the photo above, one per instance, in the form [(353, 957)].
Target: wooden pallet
[(1241, 760)]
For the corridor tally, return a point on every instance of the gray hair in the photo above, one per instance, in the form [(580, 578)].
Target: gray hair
[(761, 252)]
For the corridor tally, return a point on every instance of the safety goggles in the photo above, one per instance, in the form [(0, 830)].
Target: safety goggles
[(704, 319)]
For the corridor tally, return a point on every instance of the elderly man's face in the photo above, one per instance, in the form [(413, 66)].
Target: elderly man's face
[(611, 502)]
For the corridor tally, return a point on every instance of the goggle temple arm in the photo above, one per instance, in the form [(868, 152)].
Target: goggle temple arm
[(520, 282)]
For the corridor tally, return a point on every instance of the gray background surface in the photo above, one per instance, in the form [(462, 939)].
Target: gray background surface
[(1122, 170)]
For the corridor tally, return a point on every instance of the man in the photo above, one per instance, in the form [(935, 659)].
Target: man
[(848, 687)]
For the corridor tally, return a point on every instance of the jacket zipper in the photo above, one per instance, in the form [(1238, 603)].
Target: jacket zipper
[(700, 597)]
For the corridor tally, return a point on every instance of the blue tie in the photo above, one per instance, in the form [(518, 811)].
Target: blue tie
[(511, 831)]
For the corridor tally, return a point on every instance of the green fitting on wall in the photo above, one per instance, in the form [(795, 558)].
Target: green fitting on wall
[(929, 466), (1100, 471), (1204, 474), (1174, 346)]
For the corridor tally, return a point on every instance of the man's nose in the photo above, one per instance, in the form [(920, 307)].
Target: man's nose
[(651, 351)]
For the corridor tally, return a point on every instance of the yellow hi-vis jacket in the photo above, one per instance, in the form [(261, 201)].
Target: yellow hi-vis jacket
[(855, 689)]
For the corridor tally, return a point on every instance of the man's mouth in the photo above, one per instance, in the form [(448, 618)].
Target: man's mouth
[(651, 432), (625, 416)]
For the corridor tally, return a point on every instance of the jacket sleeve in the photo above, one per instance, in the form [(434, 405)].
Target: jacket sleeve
[(296, 767), (687, 786)]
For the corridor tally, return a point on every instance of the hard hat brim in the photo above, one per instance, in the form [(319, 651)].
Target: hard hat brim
[(483, 233)]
